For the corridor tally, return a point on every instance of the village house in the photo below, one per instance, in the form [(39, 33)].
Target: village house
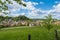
[(57, 23), (11, 22)]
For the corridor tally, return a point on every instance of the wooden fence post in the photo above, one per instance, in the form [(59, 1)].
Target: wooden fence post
[(29, 37), (56, 35)]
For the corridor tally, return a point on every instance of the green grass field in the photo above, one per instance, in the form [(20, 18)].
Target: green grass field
[(37, 33)]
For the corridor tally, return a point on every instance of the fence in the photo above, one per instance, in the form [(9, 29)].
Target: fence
[(29, 37), (56, 35)]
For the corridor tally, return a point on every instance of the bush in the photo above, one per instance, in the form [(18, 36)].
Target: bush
[(1, 27)]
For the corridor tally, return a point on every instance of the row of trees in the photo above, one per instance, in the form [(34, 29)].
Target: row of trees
[(14, 18)]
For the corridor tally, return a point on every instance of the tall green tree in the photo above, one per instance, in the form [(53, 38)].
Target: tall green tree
[(48, 22)]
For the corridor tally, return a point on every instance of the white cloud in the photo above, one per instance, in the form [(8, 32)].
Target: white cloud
[(17, 14), (30, 6), (57, 8), (35, 3), (33, 12), (3, 0), (13, 15), (22, 14), (1, 13), (55, 11), (41, 2), (31, 9), (13, 7), (56, 2)]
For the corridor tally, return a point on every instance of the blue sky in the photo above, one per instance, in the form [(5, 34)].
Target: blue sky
[(45, 4), (35, 8)]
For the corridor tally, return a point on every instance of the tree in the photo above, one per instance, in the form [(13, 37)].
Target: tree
[(48, 22), (6, 18), (3, 4), (1, 18)]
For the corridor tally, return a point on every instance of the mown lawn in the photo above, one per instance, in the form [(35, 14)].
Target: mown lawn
[(37, 33)]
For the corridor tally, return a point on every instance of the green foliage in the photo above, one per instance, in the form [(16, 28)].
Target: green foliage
[(48, 22), (48, 26), (0, 27), (3, 4), (1, 18)]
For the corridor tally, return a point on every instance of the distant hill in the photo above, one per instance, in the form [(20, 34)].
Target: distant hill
[(22, 17)]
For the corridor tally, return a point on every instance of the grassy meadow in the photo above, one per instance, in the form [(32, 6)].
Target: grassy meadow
[(37, 33)]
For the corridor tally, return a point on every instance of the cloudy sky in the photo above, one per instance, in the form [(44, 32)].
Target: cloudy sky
[(36, 8)]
